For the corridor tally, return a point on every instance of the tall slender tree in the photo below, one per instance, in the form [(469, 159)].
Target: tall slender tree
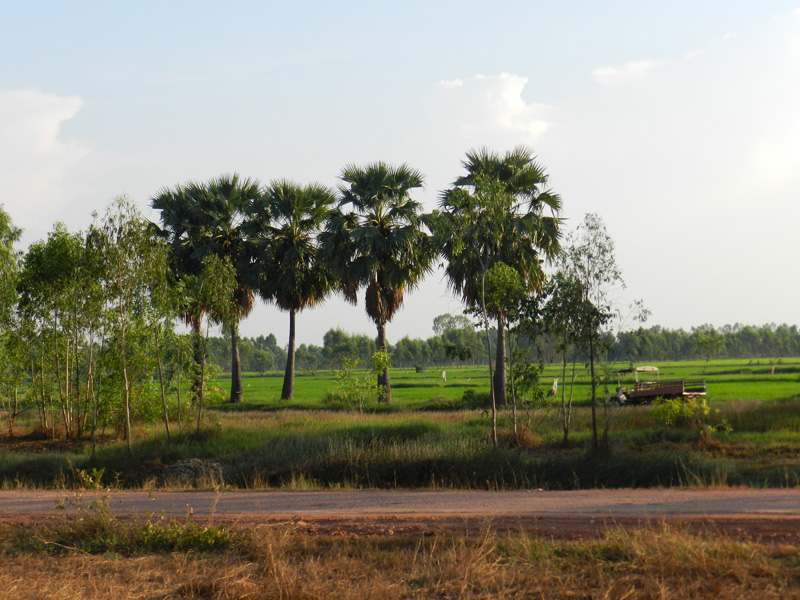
[(204, 219), (499, 211), (376, 239), (294, 275), (134, 263), (9, 265), (11, 348)]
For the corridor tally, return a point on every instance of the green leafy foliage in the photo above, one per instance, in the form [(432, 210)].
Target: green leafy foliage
[(692, 412)]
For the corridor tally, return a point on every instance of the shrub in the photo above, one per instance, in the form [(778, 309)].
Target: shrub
[(689, 412)]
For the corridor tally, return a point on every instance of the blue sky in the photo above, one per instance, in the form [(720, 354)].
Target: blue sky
[(676, 122)]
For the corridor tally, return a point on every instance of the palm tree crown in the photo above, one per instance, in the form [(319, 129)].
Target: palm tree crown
[(375, 239), (497, 212), (209, 219), (293, 273)]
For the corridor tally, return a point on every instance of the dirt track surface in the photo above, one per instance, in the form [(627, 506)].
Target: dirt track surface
[(759, 514)]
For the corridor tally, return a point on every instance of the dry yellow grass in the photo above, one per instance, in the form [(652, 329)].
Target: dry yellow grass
[(278, 562)]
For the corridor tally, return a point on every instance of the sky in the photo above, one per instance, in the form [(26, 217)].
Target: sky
[(677, 123)]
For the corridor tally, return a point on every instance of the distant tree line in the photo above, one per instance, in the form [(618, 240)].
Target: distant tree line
[(455, 345), (652, 344), (730, 341)]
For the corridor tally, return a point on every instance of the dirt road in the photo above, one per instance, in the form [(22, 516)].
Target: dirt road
[(759, 513)]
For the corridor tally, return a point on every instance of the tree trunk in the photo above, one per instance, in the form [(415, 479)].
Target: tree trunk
[(198, 356), (161, 383), (201, 393), (39, 398), (126, 383), (513, 390), (90, 389), (485, 320), (383, 379), (594, 389), (564, 415), (62, 401), (237, 392), (288, 377), (202, 380), (500, 362)]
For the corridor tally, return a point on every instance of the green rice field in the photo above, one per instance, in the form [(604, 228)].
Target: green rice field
[(726, 381)]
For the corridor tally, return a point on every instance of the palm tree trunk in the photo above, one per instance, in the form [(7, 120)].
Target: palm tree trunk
[(383, 378), (500, 362), (288, 376), (237, 393)]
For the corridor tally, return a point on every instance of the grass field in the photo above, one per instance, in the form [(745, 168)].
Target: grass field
[(727, 380), (427, 438)]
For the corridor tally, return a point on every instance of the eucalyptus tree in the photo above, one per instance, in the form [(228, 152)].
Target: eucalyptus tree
[(589, 261), (375, 239), (209, 219), (499, 211), (9, 265), (134, 262), (294, 274), (10, 348), (214, 287), (94, 299), (50, 294), (565, 315)]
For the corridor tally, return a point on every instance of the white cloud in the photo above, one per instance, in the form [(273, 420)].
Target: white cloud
[(34, 156), (451, 83), (481, 107), (630, 72)]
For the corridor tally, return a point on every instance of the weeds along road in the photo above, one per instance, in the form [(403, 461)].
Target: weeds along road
[(524, 507)]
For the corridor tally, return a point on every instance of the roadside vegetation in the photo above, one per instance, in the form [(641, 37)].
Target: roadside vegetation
[(100, 557)]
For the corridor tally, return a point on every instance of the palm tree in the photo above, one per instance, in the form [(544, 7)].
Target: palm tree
[(375, 240), (294, 274), (204, 219), (496, 213)]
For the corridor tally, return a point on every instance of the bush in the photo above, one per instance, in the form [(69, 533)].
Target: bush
[(689, 412), (679, 412)]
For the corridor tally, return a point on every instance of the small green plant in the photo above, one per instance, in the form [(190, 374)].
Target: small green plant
[(91, 480), (525, 384), (87, 480), (353, 386), (379, 364), (169, 536)]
